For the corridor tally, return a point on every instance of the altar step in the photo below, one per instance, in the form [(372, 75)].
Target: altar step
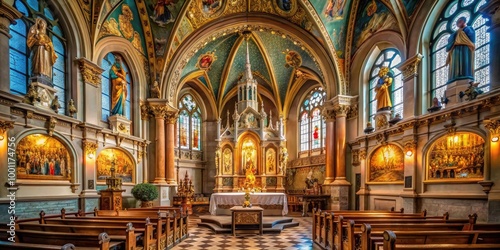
[(222, 224)]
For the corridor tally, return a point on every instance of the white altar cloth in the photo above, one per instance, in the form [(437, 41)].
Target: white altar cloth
[(237, 199)]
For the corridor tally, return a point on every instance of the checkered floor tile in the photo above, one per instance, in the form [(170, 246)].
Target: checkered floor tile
[(290, 238)]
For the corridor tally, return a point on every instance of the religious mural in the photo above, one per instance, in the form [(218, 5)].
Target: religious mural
[(40, 156), (271, 161), (205, 61), (122, 21), (210, 7), (372, 17), (335, 16), (386, 164), (115, 158), (249, 156), (292, 59), (456, 157), (299, 179), (227, 161), (162, 13)]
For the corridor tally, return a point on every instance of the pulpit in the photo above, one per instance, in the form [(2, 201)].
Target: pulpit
[(111, 198)]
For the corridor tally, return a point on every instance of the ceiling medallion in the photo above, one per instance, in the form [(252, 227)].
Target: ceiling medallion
[(206, 60), (285, 8), (212, 8)]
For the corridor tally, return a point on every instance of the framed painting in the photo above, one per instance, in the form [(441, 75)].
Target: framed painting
[(457, 157), (40, 156), (271, 161), (123, 164), (227, 161), (386, 165)]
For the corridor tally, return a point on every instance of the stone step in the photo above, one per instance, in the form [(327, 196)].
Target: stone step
[(219, 230)]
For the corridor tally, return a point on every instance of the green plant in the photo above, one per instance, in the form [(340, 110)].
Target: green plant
[(145, 192)]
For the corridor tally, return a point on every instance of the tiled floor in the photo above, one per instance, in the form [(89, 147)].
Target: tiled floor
[(290, 238)]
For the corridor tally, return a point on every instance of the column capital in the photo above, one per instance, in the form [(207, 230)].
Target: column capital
[(89, 147), (410, 145), (146, 112), (5, 126), (171, 116), (491, 10), (91, 72), (341, 105), (493, 126), (362, 154), (10, 14), (410, 67), (160, 107)]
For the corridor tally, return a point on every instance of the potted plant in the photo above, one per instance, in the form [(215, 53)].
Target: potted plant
[(146, 193)]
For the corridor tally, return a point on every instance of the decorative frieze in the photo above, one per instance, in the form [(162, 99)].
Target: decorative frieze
[(91, 72), (409, 68)]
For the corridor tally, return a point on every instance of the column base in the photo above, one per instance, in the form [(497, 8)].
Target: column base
[(328, 180), (339, 196), (167, 193), (159, 181), (172, 182), (341, 181)]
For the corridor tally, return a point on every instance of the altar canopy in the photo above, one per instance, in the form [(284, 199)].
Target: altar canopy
[(220, 203)]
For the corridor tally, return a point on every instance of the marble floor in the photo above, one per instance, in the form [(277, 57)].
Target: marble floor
[(290, 238)]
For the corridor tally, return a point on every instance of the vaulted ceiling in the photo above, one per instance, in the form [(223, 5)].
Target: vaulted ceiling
[(161, 27)]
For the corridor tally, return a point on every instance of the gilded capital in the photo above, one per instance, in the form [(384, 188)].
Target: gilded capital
[(410, 145), (91, 72), (409, 68), (341, 104), (5, 126), (89, 147), (362, 154), (158, 111), (328, 113), (493, 126), (146, 111), (341, 110), (171, 117)]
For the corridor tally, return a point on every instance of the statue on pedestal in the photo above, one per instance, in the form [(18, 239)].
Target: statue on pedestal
[(155, 90), (42, 49), (382, 89), (118, 87), (283, 160), (460, 50), (55, 105)]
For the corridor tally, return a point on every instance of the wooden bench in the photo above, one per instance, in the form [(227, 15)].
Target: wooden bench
[(7, 245), (101, 241), (440, 240)]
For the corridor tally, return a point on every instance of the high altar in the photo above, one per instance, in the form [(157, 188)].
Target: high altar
[(252, 144)]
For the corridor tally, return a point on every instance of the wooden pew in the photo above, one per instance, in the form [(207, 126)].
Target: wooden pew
[(7, 245), (101, 241), (441, 240)]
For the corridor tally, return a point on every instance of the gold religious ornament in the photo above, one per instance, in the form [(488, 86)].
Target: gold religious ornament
[(113, 182)]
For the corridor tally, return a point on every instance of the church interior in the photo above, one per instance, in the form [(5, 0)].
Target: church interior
[(185, 124)]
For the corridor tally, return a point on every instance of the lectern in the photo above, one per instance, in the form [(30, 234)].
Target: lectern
[(111, 198)]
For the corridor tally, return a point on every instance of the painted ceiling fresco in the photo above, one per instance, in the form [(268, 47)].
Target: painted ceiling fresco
[(121, 18), (371, 17), (268, 57), (335, 15)]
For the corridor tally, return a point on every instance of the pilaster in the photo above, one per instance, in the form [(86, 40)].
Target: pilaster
[(91, 78), (412, 97)]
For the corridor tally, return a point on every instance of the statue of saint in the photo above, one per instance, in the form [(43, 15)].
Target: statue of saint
[(42, 49), (460, 50), (283, 160), (118, 87), (155, 90), (383, 91)]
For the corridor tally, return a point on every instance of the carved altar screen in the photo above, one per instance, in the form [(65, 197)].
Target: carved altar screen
[(456, 157), (227, 161), (124, 165), (43, 157), (271, 161), (249, 155)]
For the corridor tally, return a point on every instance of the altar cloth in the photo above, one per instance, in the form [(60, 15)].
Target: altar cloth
[(259, 199)]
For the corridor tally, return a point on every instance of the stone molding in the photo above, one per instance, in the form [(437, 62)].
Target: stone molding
[(8, 15), (91, 72), (410, 68)]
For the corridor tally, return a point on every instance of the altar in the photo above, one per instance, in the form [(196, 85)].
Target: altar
[(272, 203)]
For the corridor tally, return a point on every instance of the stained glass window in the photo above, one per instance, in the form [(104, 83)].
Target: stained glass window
[(189, 123), (442, 31), (387, 58), (106, 85), (312, 124), (20, 60)]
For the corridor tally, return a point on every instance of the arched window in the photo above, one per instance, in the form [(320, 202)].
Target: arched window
[(189, 123), (387, 58), (442, 31), (312, 124), (20, 60), (107, 62)]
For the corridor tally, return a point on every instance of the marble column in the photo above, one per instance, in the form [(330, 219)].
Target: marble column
[(8, 15), (329, 116), (145, 117), (411, 96), (492, 170), (170, 121), (491, 10), (340, 143), (159, 111)]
